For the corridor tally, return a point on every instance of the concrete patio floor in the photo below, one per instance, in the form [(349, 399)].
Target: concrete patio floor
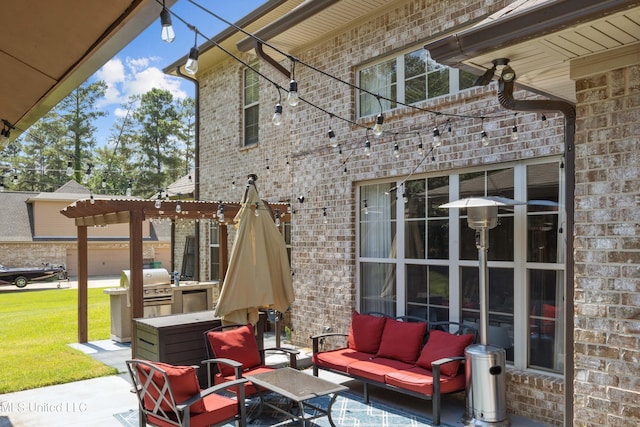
[(94, 402)]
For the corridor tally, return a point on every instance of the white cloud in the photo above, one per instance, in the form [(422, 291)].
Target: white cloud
[(135, 76)]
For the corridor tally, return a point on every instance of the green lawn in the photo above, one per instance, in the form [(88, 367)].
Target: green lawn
[(35, 330)]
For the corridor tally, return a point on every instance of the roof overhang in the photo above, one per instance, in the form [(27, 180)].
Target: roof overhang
[(48, 48), (542, 38)]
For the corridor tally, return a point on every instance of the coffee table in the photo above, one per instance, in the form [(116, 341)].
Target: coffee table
[(299, 388)]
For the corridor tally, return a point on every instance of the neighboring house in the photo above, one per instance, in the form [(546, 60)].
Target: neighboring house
[(33, 231), (563, 271)]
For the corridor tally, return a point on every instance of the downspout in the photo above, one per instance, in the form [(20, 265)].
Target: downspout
[(505, 97), (196, 165)]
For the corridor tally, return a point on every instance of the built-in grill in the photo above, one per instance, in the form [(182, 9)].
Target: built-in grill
[(157, 292)]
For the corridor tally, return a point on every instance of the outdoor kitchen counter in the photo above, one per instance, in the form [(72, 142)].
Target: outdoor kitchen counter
[(189, 297)]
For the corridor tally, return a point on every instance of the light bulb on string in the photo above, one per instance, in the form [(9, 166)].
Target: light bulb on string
[(449, 125), (484, 138), (325, 219), (437, 140), (92, 199), (158, 202), (178, 206), (167, 34), (220, 212), (365, 208), (15, 179), (104, 182), (128, 192), (191, 66), (292, 97), (277, 115), (69, 168), (396, 150), (2, 186), (332, 137), (377, 128), (420, 146), (277, 220), (256, 211), (514, 129), (367, 147), (545, 122)]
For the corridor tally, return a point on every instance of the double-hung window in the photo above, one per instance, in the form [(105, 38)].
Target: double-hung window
[(408, 78), (415, 258), (251, 106)]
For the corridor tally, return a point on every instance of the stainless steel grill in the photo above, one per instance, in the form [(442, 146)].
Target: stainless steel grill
[(157, 293)]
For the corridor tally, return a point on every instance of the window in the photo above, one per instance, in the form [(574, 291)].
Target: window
[(251, 106), (417, 259), (214, 250), (408, 78)]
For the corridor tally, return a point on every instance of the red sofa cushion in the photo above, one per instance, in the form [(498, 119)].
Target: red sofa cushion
[(420, 380), (238, 344), (443, 344), (340, 359), (376, 369), (365, 332), (401, 340), (183, 381)]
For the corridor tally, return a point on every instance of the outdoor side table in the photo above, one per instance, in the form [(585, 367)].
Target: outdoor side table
[(299, 388)]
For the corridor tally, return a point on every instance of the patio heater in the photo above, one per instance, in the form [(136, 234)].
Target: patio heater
[(484, 363)]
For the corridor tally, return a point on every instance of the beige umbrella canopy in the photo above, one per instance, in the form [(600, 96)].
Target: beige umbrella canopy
[(259, 275)]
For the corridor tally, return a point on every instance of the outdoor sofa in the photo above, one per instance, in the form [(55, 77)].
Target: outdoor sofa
[(403, 354)]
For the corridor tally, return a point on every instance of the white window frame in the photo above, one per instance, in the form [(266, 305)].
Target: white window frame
[(454, 79), (519, 265), (246, 105)]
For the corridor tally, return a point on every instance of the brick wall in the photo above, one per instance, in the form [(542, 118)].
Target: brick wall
[(607, 255), (323, 257)]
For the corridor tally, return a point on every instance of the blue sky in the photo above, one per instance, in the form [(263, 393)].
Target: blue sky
[(138, 67)]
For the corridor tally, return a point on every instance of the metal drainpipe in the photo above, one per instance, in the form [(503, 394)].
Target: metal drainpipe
[(196, 174), (505, 97)]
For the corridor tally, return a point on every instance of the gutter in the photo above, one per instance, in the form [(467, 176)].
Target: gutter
[(505, 97), (196, 175), (519, 27)]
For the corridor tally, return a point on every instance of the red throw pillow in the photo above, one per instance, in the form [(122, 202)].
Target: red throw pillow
[(401, 340), (238, 344), (365, 332), (443, 344), (183, 382)]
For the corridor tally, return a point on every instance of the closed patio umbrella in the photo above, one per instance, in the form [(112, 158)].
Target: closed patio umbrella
[(259, 275)]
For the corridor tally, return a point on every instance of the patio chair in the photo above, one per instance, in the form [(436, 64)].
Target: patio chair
[(171, 396), (238, 343)]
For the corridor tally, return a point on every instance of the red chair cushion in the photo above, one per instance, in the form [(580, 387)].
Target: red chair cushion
[(183, 382), (443, 344), (236, 344), (365, 332), (218, 409), (401, 340)]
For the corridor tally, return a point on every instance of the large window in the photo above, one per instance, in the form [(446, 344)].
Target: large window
[(408, 78), (214, 250), (418, 259), (251, 106)]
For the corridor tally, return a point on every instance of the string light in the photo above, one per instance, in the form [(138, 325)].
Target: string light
[(377, 128), (92, 200), (332, 135), (277, 115), (191, 66), (167, 34), (158, 203), (396, 150), (514, 129), (69, 168), (293, 98), (545, 122), (104, 182), (2, 186), (15, 178), (437, 140), (325, 219), (256, 210), (221, 211), (277, 220), (128, 192), (484, 138), (178, 206), (365, 209), (420, 146), (367, 145)]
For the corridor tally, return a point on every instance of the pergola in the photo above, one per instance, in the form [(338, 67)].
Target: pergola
[(101, 212)]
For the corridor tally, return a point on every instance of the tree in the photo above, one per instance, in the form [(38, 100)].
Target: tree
[(78, 113), (158, 158)]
